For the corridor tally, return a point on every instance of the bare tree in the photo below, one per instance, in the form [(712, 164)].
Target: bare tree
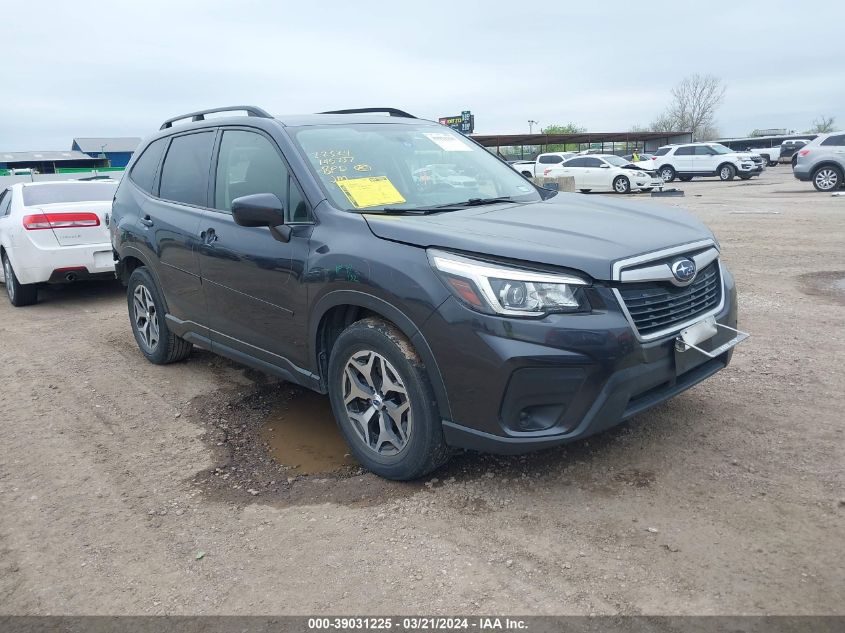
[(823, 125), (693, 109)]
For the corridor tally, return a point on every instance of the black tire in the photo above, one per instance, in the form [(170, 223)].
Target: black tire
[(621, 184), (685, 178), (773, 163), (148, 307), (373, 341), (667, 172), (647, 189), (585, 190), (827, 178), (745, 177), (727, 172), (528, 174), (19, 294)]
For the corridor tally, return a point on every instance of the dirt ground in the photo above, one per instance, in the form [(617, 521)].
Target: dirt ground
[(131, 488)]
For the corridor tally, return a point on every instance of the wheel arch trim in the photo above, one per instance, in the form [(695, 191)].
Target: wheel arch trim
[(395, 315)]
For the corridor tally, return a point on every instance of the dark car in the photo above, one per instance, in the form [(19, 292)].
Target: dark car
[(506, 318)]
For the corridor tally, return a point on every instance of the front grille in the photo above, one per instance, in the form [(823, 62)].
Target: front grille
[(658, 305)]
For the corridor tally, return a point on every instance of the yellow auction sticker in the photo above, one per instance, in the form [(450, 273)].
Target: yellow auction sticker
[(370, 192)]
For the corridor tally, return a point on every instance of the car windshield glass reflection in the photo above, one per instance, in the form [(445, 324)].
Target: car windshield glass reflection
[(404, 167)]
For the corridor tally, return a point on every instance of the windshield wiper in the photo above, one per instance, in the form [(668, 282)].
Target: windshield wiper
[(441, 208), (475, 202)]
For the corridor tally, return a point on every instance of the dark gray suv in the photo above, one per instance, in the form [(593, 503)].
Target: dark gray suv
[(439, 298)]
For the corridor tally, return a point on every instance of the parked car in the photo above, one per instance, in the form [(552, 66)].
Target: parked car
[(605, 172), (822, 161), (705, 159), (789, 148), (512, 320), (54, 232), (433, 175), (771, 155), (531, 169)]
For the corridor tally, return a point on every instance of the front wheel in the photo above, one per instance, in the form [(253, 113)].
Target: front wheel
[(827, 178), (19, 294), (667, 173), (621, 184), (727, 172), (384, 403), (146, 314)]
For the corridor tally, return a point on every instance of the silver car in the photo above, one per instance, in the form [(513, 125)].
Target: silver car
[(822, 160)]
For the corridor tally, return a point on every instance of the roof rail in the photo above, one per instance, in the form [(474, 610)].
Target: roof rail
[(200, 114), (390, 111)]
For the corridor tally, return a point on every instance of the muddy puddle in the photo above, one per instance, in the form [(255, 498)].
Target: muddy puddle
[(302, 435), (830, 284)]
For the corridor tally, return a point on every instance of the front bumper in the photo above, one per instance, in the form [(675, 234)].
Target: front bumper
[(570, 376), (647, 183)]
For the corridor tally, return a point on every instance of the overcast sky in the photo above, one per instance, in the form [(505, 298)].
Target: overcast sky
[(119, 69)]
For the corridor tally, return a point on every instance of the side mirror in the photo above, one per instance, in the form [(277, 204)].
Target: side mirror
[(262, 209)]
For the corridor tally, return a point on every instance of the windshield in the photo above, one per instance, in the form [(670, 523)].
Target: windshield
[(616, 161), (721, 149), (35, 195), (372, 166)]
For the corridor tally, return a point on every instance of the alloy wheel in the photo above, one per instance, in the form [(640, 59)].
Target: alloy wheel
[(621, 185), (7, 276), (377, 403), (666, 174), (146, 317), (827, 179), (725, 173)]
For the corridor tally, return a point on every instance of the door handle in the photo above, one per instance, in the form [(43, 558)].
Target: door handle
[(209, 236), (146, 221)]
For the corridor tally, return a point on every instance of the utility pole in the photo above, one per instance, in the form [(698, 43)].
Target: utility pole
[(531, 124)]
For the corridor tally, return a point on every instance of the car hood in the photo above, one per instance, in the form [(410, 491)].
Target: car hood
[(586, 233)]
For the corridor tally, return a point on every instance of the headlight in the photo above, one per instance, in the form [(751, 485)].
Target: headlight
[(642, 174), (496, 289)]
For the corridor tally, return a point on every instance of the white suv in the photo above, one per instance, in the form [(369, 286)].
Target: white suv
[(704, 159)]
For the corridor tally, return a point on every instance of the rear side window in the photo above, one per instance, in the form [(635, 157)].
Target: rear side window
[(184, 174), (575, 162), (685, 151), (58, 192), (248, 163), (662, 151), (5, 202), (550, 159), (838, 139), (144, 171)]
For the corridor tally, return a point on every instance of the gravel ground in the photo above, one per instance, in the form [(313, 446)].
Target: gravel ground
[(131, 488)]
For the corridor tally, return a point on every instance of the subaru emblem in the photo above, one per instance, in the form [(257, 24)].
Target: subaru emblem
[(684, 270)]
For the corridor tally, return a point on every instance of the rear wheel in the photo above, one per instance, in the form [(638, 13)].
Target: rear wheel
[(667, 172), (146, 314), (384, 403), (585, 190), (827, 178), (19, 294), (727, 172), (685, 178), (621, 184)]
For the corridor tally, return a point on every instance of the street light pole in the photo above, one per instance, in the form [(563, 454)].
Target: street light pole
[(531, 124)]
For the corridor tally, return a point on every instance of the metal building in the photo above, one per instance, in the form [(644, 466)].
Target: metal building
[(116, 150), (49, 162)]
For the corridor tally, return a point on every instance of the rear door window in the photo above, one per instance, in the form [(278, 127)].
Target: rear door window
[(837, 139), (685, 151), (5, 202), (703, 150), (589, 161), (550, 160), (575, 162), (184, 174), (144, 171)]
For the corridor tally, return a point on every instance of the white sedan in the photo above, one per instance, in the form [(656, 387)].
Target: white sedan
[(605, 172), (53, 232)]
